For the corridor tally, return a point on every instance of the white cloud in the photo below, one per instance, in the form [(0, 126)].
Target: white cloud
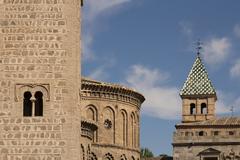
[(162, 101), (186, 29), (101, 72), (222, 105), (237, 30), (216, 50), (235, 70), (226, 101), (92, 11), (97, 7), (88, 53)]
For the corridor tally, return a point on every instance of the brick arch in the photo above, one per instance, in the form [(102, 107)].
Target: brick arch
[(20, 89), (110, 109), (91, 112), (132, 130), (108, 156), (123, 123), (109, 117), (137, 130), (92, 156), (123, 157)]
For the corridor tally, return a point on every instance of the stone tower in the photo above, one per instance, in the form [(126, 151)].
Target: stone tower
[(40, 79), (198, 95)]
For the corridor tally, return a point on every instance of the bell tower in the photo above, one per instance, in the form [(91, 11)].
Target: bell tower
[(198, 95)]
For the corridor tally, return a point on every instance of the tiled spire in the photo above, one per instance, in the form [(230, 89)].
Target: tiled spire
[(197, 82)]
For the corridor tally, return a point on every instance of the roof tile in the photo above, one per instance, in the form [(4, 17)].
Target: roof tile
[(197, 82)]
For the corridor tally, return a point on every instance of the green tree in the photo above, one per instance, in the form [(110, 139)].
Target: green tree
[(146, 153)]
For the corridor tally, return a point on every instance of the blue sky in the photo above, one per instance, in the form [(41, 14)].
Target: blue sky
[(149, 45)]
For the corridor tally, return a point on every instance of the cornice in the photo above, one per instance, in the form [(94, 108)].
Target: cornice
[(206, 126), (102, 90), (204, 144), (223, 122)]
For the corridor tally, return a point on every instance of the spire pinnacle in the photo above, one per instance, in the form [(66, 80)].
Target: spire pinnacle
[(199, 47), (232, 110)]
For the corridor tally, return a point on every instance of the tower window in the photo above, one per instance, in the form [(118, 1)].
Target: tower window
[(201, 133), (203, 108), (33, 106), (192, 108), (38, 104), (27, 104)]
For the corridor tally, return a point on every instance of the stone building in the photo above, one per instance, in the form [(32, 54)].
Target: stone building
[(47, 110), (202, 135), (114, 110)]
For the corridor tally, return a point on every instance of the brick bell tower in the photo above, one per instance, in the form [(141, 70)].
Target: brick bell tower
[(198, 95), (40, 79)]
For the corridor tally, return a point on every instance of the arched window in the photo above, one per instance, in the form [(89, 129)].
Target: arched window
[(38, 104), (27, 104), (133, 130), (33, 106), (203, 108), (123, 130), (192, 108), (92, 114)]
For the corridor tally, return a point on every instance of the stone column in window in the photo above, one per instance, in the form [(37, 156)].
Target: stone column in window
[(33, 100)]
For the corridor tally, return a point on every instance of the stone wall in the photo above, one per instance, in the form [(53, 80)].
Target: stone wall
[(189, 142), (228, 152), (40, 52)]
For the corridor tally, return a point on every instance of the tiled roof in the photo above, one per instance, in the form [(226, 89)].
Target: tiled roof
[(197, 82), (224, 121)]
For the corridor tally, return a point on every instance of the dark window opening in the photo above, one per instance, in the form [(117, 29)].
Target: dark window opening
[(38, 104), (27, 104), (192, 108), (215, 133), (203, 108), (201, 133), (231, 133), (210, 158)]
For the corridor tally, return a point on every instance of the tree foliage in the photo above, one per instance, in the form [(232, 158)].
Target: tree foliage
[(146, 153)]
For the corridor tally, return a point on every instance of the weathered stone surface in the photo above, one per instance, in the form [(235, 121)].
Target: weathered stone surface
[(40, 52)]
